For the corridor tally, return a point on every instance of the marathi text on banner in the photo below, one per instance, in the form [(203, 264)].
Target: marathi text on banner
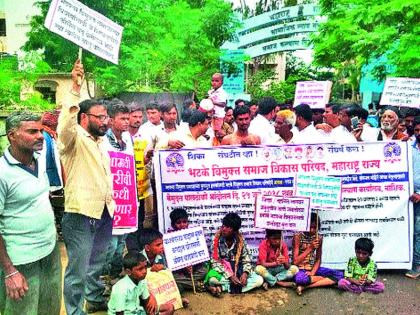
[(401, 92), (85, 27), (143, 183), (124, 186), (163, 286), (376, 183), (185, 248), (282, 213)]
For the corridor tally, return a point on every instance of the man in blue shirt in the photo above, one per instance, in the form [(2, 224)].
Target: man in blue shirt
[(30, 273)]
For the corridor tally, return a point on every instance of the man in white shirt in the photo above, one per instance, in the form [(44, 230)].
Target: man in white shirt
[(341, 133), (261, 125), (307, 132)]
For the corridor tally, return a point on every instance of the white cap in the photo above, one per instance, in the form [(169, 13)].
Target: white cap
[(206, 105)]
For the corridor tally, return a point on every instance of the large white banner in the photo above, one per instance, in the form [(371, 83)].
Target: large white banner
[(85, 27), (376, 184)]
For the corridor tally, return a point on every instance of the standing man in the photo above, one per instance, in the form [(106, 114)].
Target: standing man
[(307, 132), (261, 124), (414, 273), (89, 205), (241, 136), (30, 274), (136, 119)]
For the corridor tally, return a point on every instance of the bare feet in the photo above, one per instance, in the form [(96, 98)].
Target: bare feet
[(265, 286), (185, 302), (286, 284), (216, 291), (299, 290)]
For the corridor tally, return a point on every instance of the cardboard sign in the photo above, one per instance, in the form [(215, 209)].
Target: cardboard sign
[(85, 27), (324, 191), (282, 213), (185, 248), (125, 195), (314, 93), (401, 92), (163, 286)]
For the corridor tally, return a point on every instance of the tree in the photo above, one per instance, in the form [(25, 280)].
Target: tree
[(361, 30), (167, 45)]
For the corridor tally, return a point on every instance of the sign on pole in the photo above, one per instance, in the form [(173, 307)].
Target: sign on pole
[(401, 92), (314, 93), (282, 213), (85, 27), (185, 248)]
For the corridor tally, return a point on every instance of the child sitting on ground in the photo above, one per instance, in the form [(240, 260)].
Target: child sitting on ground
[(179, 221), (273, 260), (360, 275), (131, 292), (307, 253), (230, 260)]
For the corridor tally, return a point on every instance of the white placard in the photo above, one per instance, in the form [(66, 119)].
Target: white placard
[(185, 248), (314, 93), (282, 213), (85, 27), (324, 191), (401, 92)]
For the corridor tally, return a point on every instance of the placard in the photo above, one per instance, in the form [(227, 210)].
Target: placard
[(314, 93), (282, 213), (124, 189), (85, 27), (401, 92), (324, 191), (185, 248), (163, 286)]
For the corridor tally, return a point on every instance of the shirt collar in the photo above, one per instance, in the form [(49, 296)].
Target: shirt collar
[(12, 161), (87, 134)]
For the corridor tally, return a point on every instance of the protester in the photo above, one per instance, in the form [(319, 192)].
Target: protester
[(30, 271), (219, 98), (184, 277), (261, 124), (285, 120), (361, 272), (414, 273), (228, 121), (273, 260), (136, 119), (307, 254), (306, 130), (153, 124), (130, 295), (239, 102), (89, 204), (230, 261), (253, 108), (342, 132), (241, 136)]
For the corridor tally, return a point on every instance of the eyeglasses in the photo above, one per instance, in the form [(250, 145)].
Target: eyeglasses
[(100, 117)]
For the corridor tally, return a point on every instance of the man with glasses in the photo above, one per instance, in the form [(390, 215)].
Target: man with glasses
[(89, 205)]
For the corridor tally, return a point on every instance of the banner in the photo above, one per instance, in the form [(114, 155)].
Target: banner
[(143, 183), (401, 92), (124, 186), (282, 213), (324, 191), (376, 185), (163, 286), (185, 248), (314, 93), (85, 27)]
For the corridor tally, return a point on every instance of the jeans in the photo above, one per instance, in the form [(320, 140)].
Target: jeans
[(44, 282), (86, 241), (114, 259)]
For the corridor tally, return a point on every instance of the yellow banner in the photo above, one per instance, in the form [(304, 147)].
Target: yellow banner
[(143, 183)]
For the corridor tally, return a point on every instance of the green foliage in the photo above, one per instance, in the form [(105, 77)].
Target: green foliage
[(357, 31), (167, 45), (14, 81)]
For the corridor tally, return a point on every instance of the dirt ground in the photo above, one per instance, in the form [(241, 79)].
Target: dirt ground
[(401, 296)]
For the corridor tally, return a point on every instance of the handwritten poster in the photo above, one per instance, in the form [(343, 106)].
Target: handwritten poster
[(314, 93), (185, 248), (401, 92), (324, 191), (85, 27), (282, 213), (163, 286), (125, 196), (376, 185)]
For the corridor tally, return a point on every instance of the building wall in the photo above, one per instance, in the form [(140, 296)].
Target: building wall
[(18, 15)]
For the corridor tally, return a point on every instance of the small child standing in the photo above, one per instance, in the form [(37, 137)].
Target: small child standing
[(361, 272), (307, 253), (273, 260), (131, 292), (179, 221)]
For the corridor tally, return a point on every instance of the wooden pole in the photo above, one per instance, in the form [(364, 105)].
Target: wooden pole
[(192, 280), (79, 56)]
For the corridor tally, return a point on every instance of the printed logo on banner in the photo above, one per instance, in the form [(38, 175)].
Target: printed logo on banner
[(175, 163), (392, 152)]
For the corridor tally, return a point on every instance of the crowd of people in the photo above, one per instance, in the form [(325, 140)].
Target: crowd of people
[(56, 174)]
